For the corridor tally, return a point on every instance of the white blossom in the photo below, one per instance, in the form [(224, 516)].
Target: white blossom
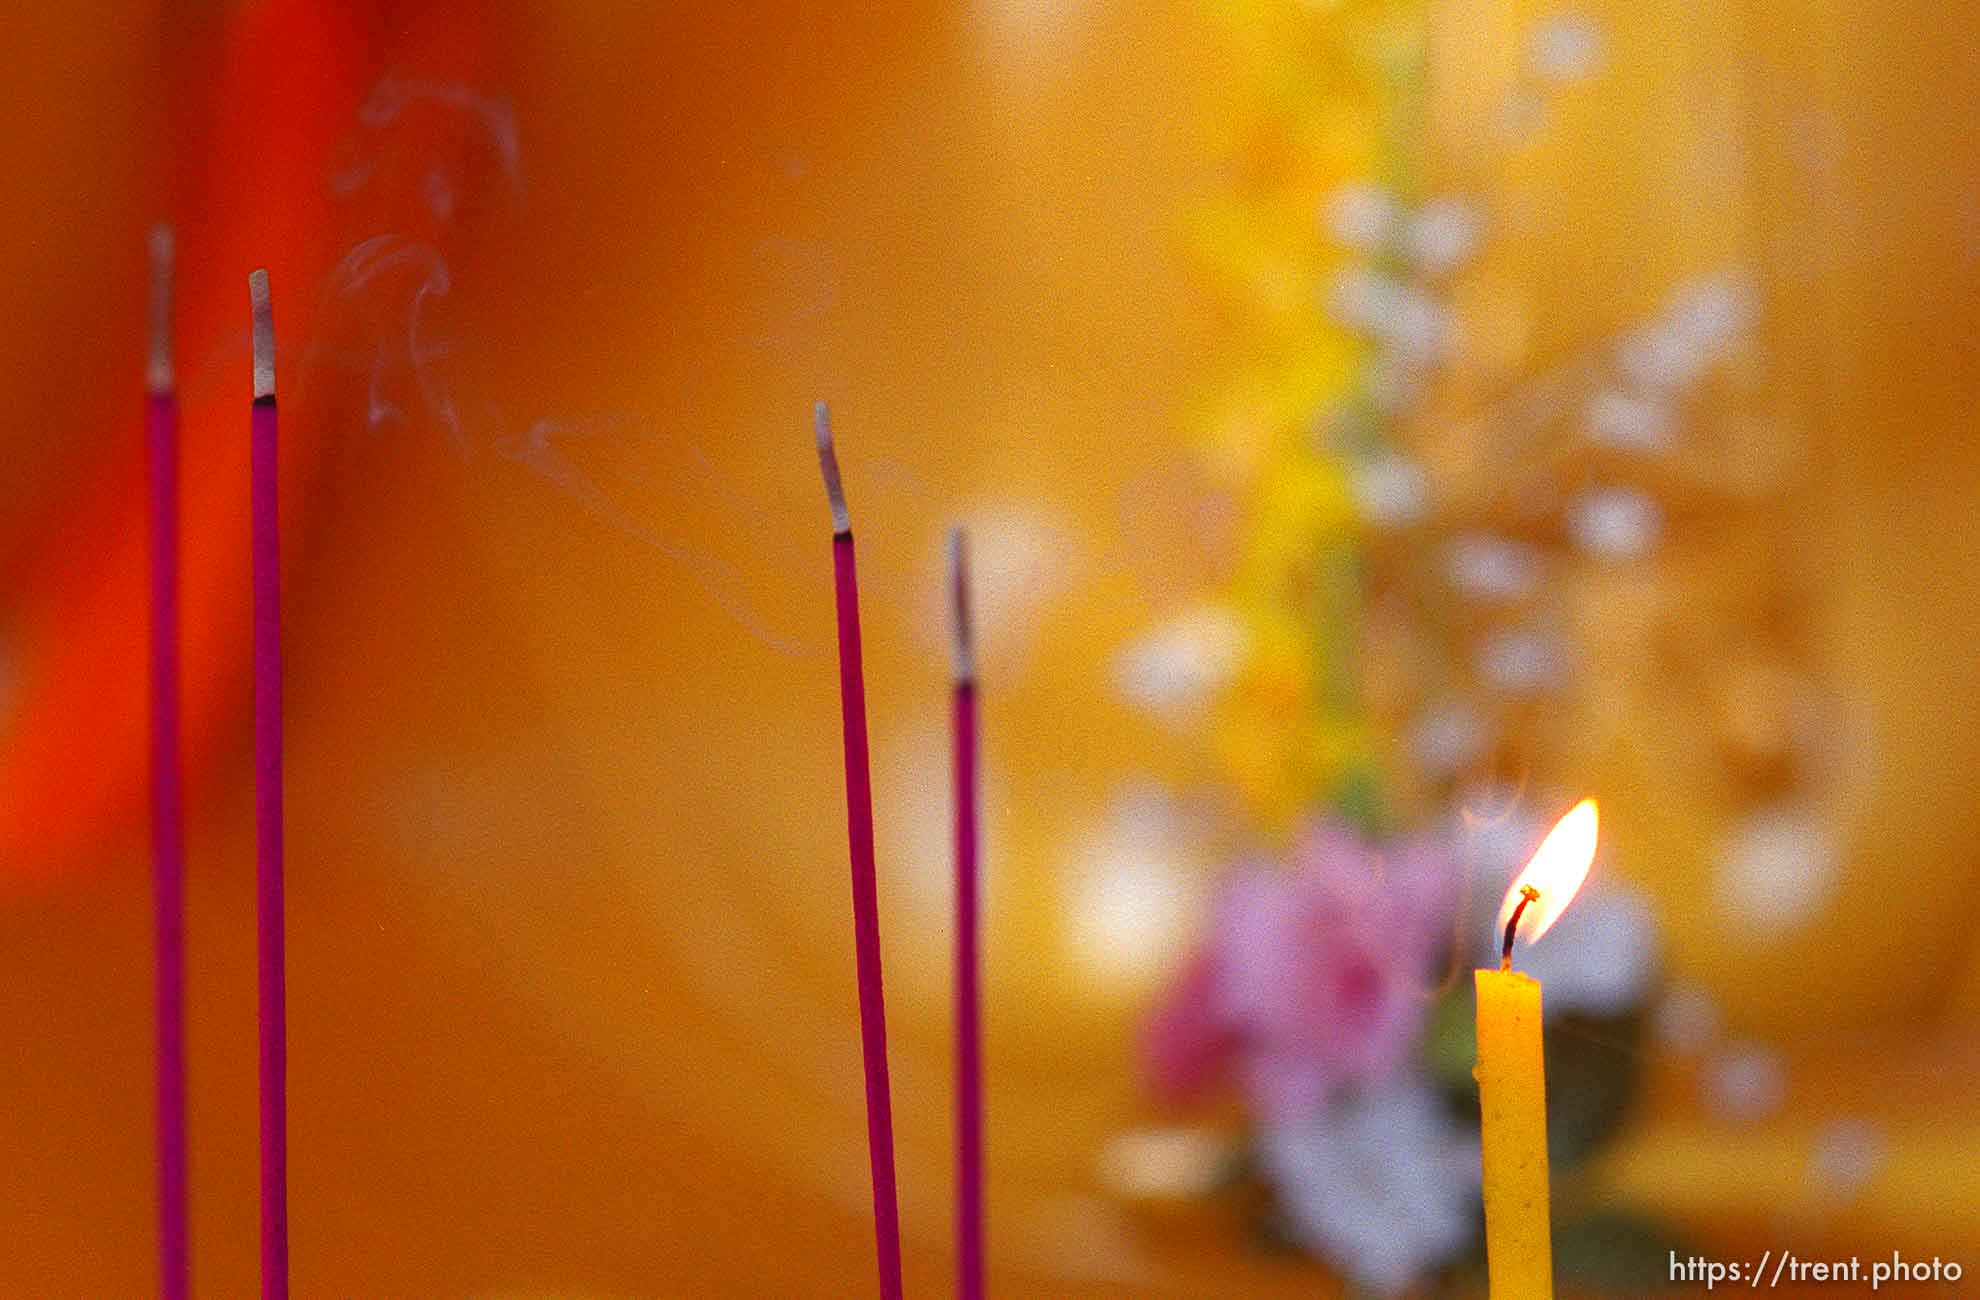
[(1442, 235), (1745, 1083), (1134, 886), (1383, 1185), (1361, 215), (1618, 524), (1448, 739), (1713, 312), (1401, 315), (1778, 869), (1848, 1153), (1484, 567), (1180, 666), (1164, 1163), (1660, 359), (1522, 662), (1628, 422), (1391, 490), (1024, 556), (1566, 47), (1698, 326), (1686, 1019)]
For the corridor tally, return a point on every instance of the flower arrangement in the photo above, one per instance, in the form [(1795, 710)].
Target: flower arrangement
[(1324, 992), (1352, 691)]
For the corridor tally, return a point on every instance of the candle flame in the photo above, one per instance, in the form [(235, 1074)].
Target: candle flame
[(1555, 870)]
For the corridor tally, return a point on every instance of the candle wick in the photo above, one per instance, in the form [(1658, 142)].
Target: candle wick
[(828, 466), (1527, 894), (965, 634)]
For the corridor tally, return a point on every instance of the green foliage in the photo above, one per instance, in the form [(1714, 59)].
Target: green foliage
[(1592, 1079), (1611, 1252), (1592, 1072)]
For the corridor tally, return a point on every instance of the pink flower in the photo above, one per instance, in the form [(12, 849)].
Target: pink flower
[(1314, 978)]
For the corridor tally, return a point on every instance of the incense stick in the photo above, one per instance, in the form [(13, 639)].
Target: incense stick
[(168, 846), (969, 1031), (268, 802), (865, 894)]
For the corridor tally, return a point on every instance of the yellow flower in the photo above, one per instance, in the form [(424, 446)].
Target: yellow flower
[(1304, 507)]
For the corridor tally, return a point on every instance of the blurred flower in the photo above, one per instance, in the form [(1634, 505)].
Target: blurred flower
[(1401, 315), (1711, 312), (1617, 524), (1271, 770), (1778, 868), (1385, 1185), (1360, 215), (1448, 739), (1847, 1155), (1702, 320), (1301, 506), (1164, 1163), (1175, 669), (1628, 423), (1522, 662), (1442, 235), (1313, 978), (1391, 490), (1024, 556), (1660, 360), (1745, 1083), (1132, 887), (1566, 47), (1484, 567), (1686, 1019), (1189, 1040)]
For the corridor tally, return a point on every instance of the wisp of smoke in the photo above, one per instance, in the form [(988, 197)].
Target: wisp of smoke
[(382, 295), (387, 103), (537, 451), (361, 269)]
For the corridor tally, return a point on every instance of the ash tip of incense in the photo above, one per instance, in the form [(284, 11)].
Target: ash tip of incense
[(964, 631), (828, 466), (264, 334), (158, 361)]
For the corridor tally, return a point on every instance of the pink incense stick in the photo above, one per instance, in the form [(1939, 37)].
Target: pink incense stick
[(168, 845), (268, 802), (866, 903), (969, 1024)]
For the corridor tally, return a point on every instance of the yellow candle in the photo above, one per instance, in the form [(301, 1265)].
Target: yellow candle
[(1512, 1098), (1512, 1072)]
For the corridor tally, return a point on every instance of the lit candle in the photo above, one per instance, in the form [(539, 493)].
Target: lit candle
[(1511, 1073)]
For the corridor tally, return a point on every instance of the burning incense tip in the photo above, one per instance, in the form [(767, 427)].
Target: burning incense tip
[(264, 336), (828, 465), (158, 365), (965, 633)]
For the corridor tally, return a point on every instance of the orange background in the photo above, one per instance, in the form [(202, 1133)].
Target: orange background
[(571, 1006)]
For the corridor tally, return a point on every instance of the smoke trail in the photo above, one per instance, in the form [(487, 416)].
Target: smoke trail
[(537, 451), (362, 268), (382, 314), (384, 108)]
